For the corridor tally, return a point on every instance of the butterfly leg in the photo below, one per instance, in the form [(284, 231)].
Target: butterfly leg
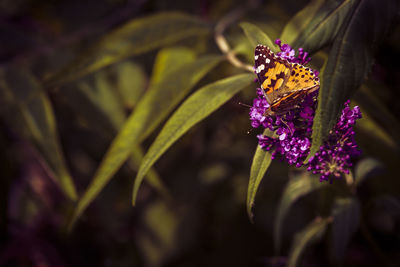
[(287, 126)]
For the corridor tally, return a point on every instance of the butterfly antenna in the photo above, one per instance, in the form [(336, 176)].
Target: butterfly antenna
[(290, 129), (245, 105), (249, 131)]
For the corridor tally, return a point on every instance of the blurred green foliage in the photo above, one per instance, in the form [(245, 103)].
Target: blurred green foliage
[(98, 96)]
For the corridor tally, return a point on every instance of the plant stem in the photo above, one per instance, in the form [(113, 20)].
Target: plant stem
[(221, 41)]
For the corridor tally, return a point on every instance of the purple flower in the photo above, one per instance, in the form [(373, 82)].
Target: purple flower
[(288, 53), (334, 157), (292, 131), (260, 105)]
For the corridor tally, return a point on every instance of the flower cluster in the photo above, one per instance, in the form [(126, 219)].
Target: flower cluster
[(292, 130), (334, 157), (291, 139)]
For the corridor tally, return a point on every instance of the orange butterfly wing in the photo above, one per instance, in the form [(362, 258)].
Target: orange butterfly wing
[(285, 84)]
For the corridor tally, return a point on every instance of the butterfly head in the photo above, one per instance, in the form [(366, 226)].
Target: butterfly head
[(269, 113)]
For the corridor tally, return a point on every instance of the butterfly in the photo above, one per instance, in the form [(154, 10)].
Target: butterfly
[(284, 84)]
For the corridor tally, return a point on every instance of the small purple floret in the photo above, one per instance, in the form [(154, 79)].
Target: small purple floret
[(288, 53)]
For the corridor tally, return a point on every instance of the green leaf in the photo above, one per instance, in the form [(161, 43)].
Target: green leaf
[(197, 107), (346, 218), (370, 103), (28, 110), (259, 166), (152, 176), (150, 111), (377, 143), (365, 168), (296, 188), (82, 99), (311, 234), (133, 38), (166, 93), (106, 98), (257, 36), (157, 241), (98, 99), (168, 61), (349, 62), (131, 82), (376, 131), (298, 23), (317, 24)]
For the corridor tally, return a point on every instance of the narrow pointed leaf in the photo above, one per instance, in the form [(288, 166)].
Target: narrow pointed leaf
[(197, 107), (311, 234), (168, 61), (165, 94), (296, 188), (106, 98), (135, 37), (375, 131), (317, 24), (349, 62), (105, 103), (377, 143), (82, 99), (378, 111), (98, 99), (346, 218), (157, 241), (257, 36), (150, 111), (259, 166), (131, 82), (29, 111), (152, 177), (294, 29)]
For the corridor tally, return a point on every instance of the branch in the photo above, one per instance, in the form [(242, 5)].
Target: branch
[(221, 41)]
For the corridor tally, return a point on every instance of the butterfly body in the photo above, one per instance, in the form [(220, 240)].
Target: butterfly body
[(284, 84)]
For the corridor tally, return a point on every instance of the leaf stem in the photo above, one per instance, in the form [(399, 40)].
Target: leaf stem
[(222, 42)]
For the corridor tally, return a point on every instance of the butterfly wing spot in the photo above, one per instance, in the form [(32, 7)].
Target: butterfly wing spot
[(278, 83), (260, 68), (272, 77), (268, 90)]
